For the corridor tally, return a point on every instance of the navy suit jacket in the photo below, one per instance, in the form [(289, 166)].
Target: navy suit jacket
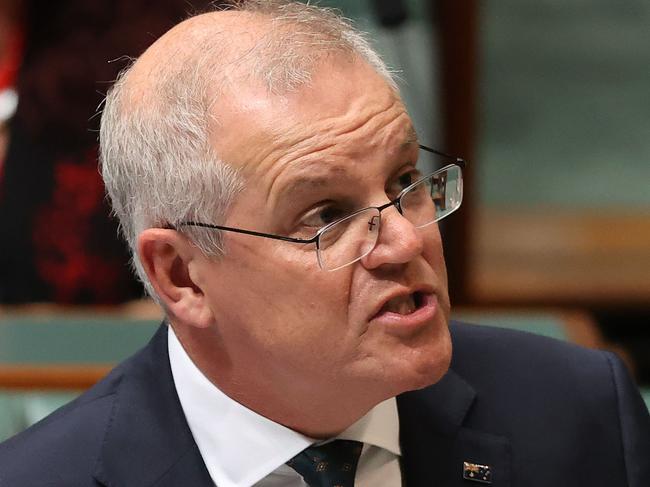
[(539, 412)]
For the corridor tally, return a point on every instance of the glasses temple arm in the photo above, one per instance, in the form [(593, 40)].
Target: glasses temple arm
[(248, 232), (457, 160)]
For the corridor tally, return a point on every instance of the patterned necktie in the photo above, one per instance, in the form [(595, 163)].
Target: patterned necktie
[(330, 465)]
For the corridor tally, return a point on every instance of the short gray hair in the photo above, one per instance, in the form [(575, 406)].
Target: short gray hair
[(156, 158)]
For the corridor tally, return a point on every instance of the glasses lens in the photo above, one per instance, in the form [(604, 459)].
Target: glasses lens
[(434, 197), (348, 240)]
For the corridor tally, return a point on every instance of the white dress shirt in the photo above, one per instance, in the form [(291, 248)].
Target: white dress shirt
[(241, 448)]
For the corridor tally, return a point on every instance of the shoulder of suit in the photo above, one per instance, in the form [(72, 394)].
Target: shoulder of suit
[(514, 344), (509, 363)]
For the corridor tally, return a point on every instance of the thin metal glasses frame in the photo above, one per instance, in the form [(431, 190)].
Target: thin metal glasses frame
[(315, 239)]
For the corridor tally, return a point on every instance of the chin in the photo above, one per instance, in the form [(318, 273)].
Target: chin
[(428, 367), (435, 373), (406, 366), (415, 380)]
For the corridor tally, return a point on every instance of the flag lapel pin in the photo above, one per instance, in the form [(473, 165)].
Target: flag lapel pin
[(477, 473)]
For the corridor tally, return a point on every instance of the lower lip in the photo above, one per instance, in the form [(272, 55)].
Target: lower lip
[(398, 324)]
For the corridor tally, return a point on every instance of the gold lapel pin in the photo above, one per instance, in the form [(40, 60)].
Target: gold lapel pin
[(477, 473)]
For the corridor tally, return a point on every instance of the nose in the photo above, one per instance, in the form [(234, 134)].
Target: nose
[(398, 242)]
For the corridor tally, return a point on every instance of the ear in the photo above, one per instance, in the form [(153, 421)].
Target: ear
[(166, 256)]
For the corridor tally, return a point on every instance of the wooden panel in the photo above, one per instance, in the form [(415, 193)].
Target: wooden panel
[(142, 309), (50, 377), (589, 258)]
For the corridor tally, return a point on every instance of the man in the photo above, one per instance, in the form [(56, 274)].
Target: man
[(263, 168)]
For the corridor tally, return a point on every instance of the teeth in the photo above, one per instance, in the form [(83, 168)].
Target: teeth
[(403, 305)]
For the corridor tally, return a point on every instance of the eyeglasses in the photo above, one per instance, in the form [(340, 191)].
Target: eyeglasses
[(349, 239)]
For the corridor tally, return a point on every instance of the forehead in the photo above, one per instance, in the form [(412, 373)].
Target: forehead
[(346, 111)]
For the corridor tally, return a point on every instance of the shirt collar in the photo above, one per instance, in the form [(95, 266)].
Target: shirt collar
[(240, 447)]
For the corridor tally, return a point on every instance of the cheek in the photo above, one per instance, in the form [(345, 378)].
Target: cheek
[(434, 253), (278, 292)]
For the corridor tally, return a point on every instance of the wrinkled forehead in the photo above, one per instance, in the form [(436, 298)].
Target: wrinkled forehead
[(346, 106), (346, 125)]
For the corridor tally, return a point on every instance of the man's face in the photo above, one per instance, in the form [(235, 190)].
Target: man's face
[(343, 141)]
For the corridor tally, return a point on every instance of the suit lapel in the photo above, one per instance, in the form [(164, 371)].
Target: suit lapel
[(155, 447), (435, 444)]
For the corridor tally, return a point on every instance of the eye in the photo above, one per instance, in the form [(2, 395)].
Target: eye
[(404, 180), (324, 215)]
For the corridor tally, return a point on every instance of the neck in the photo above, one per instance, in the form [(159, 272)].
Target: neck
[(302, 407)]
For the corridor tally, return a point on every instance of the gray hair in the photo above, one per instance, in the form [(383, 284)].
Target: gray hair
[(156, 159)]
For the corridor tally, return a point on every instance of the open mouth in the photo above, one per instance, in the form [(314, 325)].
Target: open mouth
[(407, 314), (403, 305)]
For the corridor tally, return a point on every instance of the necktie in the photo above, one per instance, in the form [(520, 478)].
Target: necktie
[(330, 465)]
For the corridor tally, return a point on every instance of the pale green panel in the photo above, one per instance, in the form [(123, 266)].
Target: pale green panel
[(645, 393), (564, 106), (541, 323), (20, 410), (410, 51), (58, 339)]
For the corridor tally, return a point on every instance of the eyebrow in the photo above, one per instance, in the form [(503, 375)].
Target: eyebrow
[(411, 137), (309, 181), (305, 182)]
